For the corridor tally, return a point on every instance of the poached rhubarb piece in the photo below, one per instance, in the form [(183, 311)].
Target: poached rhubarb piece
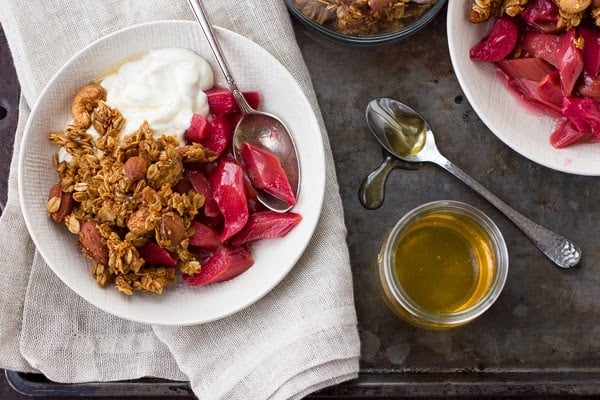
[(204, 236), (220, 134), (266, 173), (222, 100), (500, 42), (541, 15), (533, 69), (591, 50), (227, 184), (589, 86), (565, 134), (570, 61), (198, 130), (152, 253), (541, 45), (266, 225), (224, 264), (584, 113), (553, 70)]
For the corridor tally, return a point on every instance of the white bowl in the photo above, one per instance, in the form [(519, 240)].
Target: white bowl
[(525, 132), (255, 69)]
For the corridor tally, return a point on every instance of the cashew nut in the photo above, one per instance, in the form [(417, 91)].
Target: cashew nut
[(84, 103), (573, 6)]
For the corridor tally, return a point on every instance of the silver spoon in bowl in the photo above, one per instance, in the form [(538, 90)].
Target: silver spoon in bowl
[(255, 127), (405, 134)]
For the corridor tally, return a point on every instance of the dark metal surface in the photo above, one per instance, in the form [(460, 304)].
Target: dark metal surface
[(542, 337), (9, 112)]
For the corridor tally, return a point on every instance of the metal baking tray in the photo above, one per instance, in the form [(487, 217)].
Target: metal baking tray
[(541, 338), (370, 384)]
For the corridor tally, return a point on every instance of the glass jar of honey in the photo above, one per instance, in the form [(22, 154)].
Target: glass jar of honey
[(442, 265)]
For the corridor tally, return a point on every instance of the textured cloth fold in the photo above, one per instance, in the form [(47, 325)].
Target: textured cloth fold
[(299, 338)]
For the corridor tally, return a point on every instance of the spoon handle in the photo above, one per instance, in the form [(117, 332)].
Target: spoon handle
[(558, 249), (202, 17)]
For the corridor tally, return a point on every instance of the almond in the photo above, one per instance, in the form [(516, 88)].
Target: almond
[(171, 231), (61, 207), (92, 242), (135, 167)]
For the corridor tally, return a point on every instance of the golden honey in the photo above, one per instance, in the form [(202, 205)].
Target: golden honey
[(443, 264)]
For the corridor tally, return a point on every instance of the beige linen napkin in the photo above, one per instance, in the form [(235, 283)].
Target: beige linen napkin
[(299, 338)]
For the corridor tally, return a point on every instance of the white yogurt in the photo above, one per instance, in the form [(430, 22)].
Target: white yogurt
[(164, 87)]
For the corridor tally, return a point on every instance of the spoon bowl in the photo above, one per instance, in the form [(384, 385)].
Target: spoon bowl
[(406, 135), (401, 130), (269, 132), (255, 127)]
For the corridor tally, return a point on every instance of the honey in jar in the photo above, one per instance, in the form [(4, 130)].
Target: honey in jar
[(441, 264)]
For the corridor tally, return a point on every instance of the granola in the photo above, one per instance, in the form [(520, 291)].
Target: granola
[(364, 17), (123, 196)]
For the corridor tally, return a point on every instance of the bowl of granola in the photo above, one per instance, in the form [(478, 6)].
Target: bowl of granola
[(365, 22), (134, 200)]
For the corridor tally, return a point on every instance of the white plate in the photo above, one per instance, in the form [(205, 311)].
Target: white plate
[(526, 133), (255, 69)]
